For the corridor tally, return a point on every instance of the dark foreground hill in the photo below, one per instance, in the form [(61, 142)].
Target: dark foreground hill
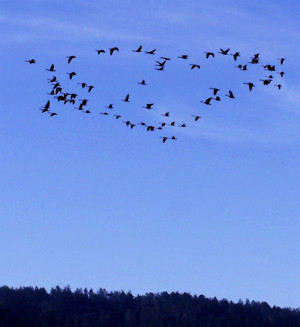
[(30, 307)]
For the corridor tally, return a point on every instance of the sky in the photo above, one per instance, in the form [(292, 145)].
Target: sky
[(87, 201)]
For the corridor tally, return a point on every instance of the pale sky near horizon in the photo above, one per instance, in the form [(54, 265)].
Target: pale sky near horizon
[(89, 202)]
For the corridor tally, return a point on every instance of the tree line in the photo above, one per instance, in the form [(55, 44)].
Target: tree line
[(61, 307)]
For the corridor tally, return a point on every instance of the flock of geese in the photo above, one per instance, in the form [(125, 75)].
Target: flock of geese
[(66, 97)]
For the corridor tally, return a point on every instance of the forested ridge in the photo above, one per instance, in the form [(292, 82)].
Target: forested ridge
[(61, 307)]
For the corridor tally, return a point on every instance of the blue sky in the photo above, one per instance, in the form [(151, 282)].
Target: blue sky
[(88, 202)]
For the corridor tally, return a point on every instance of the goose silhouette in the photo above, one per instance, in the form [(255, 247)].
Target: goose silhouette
[(100, 51), (90, 87), (152, 52), (51, 69), (71, 74), (139, 49), (165, 58), (195, 66), (148, 106), (112, 50), (184, 57), (164, 138), (207, 101), (251, 85), (281, 60), (224, 52), (196, 117), (235, 55), (209, 54), (126, 98), (230, 95), (70, 58), (31, 61), (215, 90)]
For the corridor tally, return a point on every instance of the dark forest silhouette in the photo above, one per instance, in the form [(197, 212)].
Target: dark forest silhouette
[(28, 306)]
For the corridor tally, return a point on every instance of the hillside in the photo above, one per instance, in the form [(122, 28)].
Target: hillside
[(30, 307)]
